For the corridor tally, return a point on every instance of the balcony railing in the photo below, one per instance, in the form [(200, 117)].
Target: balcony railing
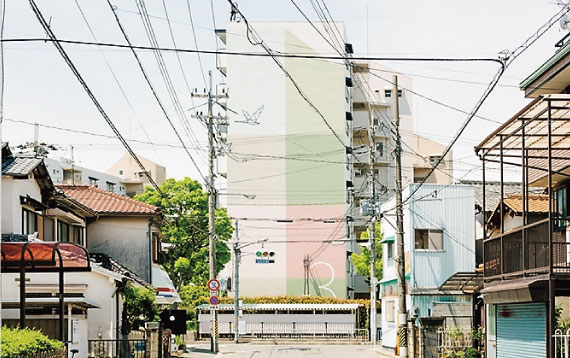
[(524, 251)]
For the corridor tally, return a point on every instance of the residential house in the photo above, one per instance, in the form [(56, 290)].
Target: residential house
[(128, 231), (132, 177), (526, 261), (34, 211), (439, 243)]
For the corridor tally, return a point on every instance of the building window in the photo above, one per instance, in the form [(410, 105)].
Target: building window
[(390, 250), (429, 239), (380, 149), (110, 187), (388, 93), (155, 248), (121, 172), (561, 199), (434, 159), (390, 311), (93, 181), (77, 235), (29, 222), (62, 231)]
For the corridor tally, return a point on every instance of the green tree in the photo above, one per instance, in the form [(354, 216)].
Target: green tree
[(185, 205), (362, 261), (139, 305)]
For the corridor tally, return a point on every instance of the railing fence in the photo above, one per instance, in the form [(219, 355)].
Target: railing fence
[(117, 348), (561, 344)]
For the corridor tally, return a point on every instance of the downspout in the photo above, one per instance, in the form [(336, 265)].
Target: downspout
[(150, 250)]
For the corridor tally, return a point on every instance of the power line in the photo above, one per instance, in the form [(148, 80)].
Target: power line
[(195, 41), (71, 66), (121, 89), (154, 93), (254, 54)]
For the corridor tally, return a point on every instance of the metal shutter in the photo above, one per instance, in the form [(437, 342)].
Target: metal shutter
[(521, 330)]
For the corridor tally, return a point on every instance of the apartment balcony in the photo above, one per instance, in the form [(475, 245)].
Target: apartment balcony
[(360, 121), (361, 187), (361, 156), (525, 251)]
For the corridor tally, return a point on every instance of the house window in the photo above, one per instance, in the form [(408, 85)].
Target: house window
[(561, 198), (62, 231), (77, 237), (390, 250), (93, 181), (390, 311), (388, 93), (429, 239), (155, 247), (121, 172), (110, 187), (29, 222)]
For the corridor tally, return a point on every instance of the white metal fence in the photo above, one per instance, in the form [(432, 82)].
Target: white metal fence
[(561, 344)]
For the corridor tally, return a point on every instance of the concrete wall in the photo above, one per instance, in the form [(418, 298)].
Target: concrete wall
[(125, 239), (427, 148)]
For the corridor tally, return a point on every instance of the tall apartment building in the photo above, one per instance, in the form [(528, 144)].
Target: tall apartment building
[(285, 154), (307, 181)]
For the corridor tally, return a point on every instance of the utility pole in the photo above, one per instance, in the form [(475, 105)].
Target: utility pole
[(373, 251), (400, 259), (210, 122), (237, 254)]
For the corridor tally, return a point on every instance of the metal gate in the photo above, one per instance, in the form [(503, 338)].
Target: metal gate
[(521, 330), (562, 344), (430, 336)]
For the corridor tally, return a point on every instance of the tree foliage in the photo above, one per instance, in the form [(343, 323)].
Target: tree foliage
[(361, 261), (139, 305), (18, 342), (186, 207)]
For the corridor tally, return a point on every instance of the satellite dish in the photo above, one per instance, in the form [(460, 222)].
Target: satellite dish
[(565, 22)]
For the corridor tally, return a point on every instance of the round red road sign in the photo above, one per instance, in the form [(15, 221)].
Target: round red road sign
[(214, 300), (214, 285)]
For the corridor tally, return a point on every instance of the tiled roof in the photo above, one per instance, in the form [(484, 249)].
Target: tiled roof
[(104, 202), (19, 166), (537, 203)]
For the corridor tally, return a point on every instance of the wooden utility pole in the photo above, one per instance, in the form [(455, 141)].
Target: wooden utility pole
[(400, 259)]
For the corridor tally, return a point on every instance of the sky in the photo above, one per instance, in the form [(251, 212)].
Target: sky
[(40, 88)]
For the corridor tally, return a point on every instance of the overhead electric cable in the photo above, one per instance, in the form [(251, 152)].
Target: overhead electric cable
[(155, 94), (70, 64)]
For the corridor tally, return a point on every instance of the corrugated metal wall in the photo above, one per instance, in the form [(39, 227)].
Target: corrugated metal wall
[(521, 330), (424, 303), (452, 210)]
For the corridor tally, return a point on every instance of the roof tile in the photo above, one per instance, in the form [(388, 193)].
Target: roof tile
[(104, 202)]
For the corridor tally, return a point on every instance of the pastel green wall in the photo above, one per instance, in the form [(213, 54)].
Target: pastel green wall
[(295, 287), (324, 83)]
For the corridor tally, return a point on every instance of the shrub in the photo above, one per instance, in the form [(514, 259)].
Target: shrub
[(21, 342)]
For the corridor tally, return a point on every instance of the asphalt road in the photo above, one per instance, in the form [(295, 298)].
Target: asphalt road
[(284, 351)]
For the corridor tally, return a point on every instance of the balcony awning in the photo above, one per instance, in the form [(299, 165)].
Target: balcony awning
[(43, 257), (387, 239), (167, 294), (526, 133), (463, 282)]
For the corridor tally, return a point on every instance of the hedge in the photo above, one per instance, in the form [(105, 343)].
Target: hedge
[(18, 342)]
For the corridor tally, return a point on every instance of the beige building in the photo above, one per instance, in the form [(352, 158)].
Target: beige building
[(427, 153), (133, 179)]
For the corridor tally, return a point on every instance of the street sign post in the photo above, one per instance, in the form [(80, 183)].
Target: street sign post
[(214, 285), (214, 301)]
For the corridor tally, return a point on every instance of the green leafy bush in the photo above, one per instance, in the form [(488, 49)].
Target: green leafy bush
[(471, 353), (21, 342)]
